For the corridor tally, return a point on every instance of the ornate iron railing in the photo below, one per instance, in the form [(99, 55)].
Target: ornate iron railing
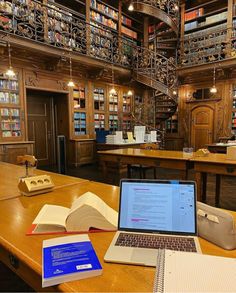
[(159, 71), (200, 48), (60, 28), (170, 7)]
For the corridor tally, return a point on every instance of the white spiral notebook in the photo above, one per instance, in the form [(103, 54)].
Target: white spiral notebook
[(179, 271)]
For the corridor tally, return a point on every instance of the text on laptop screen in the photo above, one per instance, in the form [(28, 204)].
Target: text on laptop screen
[(167, 206)]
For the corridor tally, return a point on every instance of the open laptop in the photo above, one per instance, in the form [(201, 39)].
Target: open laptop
[(151, 211)]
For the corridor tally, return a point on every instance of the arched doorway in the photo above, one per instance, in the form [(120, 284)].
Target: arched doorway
[(201, 126)]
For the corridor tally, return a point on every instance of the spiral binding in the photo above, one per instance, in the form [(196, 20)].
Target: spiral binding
[(160, 272)]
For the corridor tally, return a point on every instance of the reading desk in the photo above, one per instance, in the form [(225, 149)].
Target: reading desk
[(23, 254), (10, 174), (216, 164), (156, 158)]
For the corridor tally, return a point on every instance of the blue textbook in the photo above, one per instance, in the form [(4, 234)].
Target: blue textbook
[(68, 258)]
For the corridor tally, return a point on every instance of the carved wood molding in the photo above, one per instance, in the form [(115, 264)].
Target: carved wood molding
[(62, 85), (31, 79)]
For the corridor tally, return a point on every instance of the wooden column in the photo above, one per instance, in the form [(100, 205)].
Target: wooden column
[(229, 27)]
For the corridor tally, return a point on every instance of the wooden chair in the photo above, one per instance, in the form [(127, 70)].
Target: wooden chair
[(142, 168)]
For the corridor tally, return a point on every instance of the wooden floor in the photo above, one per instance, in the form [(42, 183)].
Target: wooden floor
[(9, 282)]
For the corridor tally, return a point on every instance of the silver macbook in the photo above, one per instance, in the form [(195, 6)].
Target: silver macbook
[(154, 214)]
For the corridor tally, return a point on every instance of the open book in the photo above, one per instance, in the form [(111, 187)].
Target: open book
[(88, 212)]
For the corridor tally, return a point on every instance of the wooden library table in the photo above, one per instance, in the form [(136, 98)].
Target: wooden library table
[(216, 164), (156, 158), (23, 254), (220, 148), (10, 174)]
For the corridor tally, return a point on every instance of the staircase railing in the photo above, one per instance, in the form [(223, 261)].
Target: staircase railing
[(154, 70)]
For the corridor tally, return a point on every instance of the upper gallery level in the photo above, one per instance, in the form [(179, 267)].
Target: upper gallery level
[(207, 35)]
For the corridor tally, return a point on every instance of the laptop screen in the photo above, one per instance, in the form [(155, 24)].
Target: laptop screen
[(161, 206)]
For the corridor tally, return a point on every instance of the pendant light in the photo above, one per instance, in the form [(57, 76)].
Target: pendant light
[(131, 6), (71, 83), (213, 89), (10, 72), (129, 93), (112, 91)]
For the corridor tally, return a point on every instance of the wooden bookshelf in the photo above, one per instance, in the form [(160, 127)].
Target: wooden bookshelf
[(11, 124), (127, 107), (206, 32), (99, 104), (79, 96), (234, 111)]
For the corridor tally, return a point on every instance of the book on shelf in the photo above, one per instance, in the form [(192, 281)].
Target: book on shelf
[(68, 258), (87, 213), (179, 271), (193, 14)]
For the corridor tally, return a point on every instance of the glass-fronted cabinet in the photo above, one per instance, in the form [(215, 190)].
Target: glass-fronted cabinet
[(80, 113), (127, 99), (10, 109), (99, 103)]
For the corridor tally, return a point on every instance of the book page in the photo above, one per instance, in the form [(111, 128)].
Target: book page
[(90, 211), (52, 215), (192, 272)]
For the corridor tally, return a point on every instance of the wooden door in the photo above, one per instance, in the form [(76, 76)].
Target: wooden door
[(201, 126), (41, 127)]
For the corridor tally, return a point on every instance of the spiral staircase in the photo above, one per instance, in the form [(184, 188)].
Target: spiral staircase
[(156, 66)]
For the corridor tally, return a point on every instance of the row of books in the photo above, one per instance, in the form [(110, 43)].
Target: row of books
[(194, 14), (103, 20), (113, 99), (113, 108), (129, 32), (98, 97), (105, 9), (126, 21), (10, 125), (209, 20), (113, 117), (80, 132), (10, 112), (79, 93), (97, 29), (8, 84), (199, 43), (9, 98), (59, 13), (80, 124), (234, 122), (13, 133), (220, 28), (99, 116), (58, 25), (126, 108), (99, 91), (79, 115)]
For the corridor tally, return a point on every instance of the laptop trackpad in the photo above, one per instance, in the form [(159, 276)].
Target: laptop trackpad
[(146, 257)]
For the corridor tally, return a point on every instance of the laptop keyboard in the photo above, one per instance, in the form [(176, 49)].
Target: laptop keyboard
[(156, 242)]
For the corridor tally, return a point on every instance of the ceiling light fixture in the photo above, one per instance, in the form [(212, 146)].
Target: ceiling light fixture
[(213, 89), (71, 83), (130, 93), (10, 72), (112, 91), (176, 7), (131, 7)]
